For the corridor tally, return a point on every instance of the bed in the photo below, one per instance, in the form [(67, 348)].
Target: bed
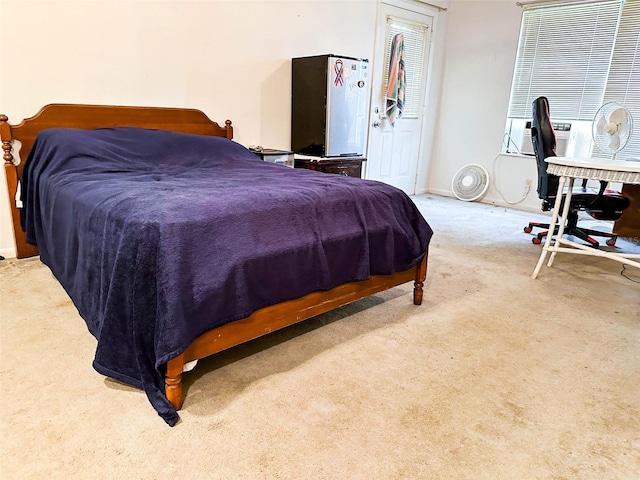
[(174, 242)]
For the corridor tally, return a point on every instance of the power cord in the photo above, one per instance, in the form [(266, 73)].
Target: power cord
[(509, 140), (626, 276), (527, 188)]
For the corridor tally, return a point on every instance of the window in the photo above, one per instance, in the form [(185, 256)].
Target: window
[(415, 44), (580, 55), (623, 83)]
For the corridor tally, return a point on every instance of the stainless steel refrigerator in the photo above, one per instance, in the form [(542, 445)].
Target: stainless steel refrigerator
[(329, 105)]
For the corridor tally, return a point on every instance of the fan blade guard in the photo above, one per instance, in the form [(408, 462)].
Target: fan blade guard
[(470, 182)]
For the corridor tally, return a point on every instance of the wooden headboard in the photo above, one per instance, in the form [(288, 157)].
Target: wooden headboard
[(184, 120)]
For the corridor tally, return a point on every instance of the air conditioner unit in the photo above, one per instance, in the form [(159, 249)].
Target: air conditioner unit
[(562, 130)]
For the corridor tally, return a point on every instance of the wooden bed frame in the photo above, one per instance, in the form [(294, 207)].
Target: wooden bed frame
[(261, 322)]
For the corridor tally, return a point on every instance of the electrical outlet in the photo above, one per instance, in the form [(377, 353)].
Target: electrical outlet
[(528, 183)]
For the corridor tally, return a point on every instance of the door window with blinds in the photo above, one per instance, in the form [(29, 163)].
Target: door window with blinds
[(415, 44), (580, 55)]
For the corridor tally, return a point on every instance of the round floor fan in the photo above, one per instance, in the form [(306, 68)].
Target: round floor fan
[(470, 183), (612, 126)]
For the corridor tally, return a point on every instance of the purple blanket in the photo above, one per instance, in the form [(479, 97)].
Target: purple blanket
[(158, 237)]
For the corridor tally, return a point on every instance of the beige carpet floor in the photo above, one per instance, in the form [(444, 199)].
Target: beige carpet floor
[(495, 376)]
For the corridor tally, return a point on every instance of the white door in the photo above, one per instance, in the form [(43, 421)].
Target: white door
[(394, 150)]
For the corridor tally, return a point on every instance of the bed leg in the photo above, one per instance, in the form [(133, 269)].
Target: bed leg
[(173, 382), (421, 275)]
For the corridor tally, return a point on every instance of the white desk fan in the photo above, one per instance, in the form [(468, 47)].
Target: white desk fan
[(612, 126)]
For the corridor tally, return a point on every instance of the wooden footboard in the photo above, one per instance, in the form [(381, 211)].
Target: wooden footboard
[(275, 317)]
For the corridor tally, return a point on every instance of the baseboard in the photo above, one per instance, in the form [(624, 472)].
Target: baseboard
[(487, 200), (437, 191), (8, 252)]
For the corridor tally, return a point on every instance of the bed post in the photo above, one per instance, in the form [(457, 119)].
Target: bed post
[(421, 275), (173, 381), (5, 134), (10, 171), (227, 124)]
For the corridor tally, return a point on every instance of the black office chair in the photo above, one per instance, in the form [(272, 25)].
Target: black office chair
[(601, 205)]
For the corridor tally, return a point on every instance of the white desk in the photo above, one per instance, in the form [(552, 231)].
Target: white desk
[(569, 169)]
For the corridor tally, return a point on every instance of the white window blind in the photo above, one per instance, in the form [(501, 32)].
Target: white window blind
[(623, 84), (564, 54), (415, 44)]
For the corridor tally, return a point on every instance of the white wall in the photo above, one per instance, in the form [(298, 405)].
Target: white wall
[(435, 76), (480, 52), (230, 59)]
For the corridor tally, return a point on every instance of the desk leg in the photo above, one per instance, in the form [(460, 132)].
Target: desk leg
[(552, 227), (563, 220)]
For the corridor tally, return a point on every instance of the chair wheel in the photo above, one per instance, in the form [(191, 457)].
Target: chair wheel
[(611, 242), (527, 229), (536, 240)]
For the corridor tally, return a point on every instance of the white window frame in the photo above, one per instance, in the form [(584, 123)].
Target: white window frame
[(608, 69), (415, 45)]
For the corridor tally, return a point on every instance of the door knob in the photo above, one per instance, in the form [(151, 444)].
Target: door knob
[(376, 124)]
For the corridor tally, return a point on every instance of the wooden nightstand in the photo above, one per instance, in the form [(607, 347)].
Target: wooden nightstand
[(347, 166)]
